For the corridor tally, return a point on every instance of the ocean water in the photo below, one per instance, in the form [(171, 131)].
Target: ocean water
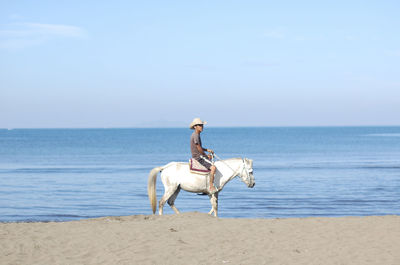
[(70, 174)]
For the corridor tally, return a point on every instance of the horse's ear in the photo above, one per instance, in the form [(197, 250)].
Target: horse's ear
[(249, 161)]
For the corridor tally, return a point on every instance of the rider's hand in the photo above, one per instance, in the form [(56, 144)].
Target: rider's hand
[(210, 151)]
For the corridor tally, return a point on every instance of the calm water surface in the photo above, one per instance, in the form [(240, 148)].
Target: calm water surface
[(69, 174)]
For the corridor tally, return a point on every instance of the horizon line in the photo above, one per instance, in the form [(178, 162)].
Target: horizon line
[(181, 127)]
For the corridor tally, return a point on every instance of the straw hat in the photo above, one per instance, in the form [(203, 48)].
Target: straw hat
[(196, 121)]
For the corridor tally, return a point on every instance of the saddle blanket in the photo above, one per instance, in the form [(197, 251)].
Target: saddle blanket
[(196, 167)]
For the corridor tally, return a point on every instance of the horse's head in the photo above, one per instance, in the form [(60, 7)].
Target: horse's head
[(246, 173)]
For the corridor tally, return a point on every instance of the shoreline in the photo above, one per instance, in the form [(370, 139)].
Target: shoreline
[(197, 238), (188, 213)]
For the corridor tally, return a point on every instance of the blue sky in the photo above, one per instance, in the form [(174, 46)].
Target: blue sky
[(232, 63)]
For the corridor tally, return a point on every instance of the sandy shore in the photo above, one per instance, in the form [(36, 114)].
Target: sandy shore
[(196, 238)]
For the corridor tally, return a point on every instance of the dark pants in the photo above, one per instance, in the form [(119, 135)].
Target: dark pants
[(204, 163)]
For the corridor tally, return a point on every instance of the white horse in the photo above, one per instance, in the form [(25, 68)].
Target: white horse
[(176, 176)]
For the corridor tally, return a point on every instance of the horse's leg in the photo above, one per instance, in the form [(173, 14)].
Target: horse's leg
[(212, 207), (214, 204), (169, 191), (171, 200)]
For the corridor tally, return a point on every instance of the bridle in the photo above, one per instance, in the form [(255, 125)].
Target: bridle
[(247, 172), (244, 168)]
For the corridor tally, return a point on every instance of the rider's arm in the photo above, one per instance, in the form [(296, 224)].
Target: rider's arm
[(201, 149)]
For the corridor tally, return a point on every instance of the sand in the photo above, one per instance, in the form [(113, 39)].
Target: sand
[(196, 238)]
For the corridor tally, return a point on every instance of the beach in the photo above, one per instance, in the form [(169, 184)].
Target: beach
[(197, 238)]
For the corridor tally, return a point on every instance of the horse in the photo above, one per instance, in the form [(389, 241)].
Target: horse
[(177, 175)]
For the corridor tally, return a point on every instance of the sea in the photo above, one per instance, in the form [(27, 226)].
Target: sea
[(71, 174)]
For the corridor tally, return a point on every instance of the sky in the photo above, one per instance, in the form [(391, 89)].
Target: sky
[(104, 64)]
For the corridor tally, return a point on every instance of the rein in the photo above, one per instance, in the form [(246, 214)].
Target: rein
[(234, 171)]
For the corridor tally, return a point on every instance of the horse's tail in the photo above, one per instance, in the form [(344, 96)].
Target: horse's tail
[(151, 187)]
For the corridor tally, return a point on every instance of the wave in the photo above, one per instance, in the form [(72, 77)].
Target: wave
[(325, 167), (45, 218), (383, 134), (62, 170), (97, 170)]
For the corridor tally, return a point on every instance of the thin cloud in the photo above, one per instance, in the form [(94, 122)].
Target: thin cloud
[(22, 35), (350, 38), (259, 64), (201, 67), (56, 30), (393, 53), (274, 34), (15, 17)]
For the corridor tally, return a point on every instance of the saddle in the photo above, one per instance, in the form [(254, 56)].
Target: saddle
[(197, 168)]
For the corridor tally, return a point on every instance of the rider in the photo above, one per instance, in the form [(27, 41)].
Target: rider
[(198, 151)]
